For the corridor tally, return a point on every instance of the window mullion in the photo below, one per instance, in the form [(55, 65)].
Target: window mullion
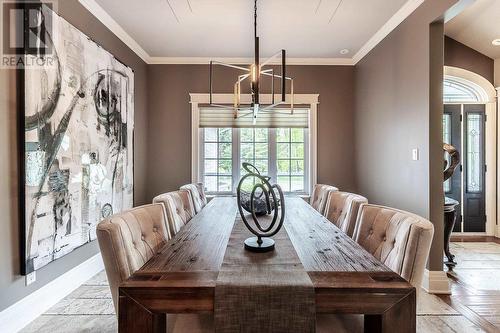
[(218, 158), (289, 160), (201, 156), (272, 155), (307, 183), (236, 158)]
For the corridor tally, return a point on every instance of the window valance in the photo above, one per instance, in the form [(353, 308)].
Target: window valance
[(283, 118)]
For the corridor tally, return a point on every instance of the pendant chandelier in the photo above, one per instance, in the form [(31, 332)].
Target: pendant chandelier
[(254, 75)]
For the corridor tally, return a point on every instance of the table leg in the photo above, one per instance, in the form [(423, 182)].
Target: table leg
[(401, 317), (134, 318)]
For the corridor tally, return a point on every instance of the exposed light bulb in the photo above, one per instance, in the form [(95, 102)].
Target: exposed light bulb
[(496, 42)]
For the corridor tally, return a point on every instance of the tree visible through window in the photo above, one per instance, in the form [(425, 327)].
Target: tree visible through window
[(218, 175), (280, 153), (290, 159)]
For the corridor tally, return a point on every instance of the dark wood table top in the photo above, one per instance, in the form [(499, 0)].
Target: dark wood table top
[(181, 277)]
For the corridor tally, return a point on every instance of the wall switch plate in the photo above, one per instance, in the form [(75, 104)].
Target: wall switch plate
[(415, 154), (30, 278)]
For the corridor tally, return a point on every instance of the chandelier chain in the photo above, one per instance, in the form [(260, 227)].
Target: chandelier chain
[(255, 18)]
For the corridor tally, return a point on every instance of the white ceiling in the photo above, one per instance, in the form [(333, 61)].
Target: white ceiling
[(477, 26), (224, 28)]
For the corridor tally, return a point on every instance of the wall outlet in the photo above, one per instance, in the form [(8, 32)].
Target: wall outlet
[(415, 154), (30, 278)]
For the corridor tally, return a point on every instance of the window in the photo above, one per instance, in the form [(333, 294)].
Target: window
[(291, 159), (217, 151), (281, 153), (281, 144), (457, 90)]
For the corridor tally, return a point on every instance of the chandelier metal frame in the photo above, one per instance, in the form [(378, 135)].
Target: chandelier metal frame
[(255, 73)]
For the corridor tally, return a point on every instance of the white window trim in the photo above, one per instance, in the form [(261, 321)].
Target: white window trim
[(299, 99)]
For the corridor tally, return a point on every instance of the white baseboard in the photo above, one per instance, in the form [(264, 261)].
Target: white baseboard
[(436, 282), (21, 313)]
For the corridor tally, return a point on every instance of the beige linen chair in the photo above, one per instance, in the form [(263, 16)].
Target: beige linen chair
[(320, 195), (127, 241), (197, 195), (179, 207), (399, 239), (342, 209), (201, 190)]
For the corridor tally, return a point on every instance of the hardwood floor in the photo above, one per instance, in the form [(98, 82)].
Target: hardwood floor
[(476, 239), (475, 283)]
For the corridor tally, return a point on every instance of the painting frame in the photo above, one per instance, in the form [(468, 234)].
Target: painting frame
[(21, 99)]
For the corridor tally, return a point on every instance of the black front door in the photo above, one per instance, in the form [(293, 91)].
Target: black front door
[(474, 168), (466, 124), (452, 134)]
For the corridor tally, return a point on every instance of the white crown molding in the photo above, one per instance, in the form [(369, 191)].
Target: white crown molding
[(21, 313), (401, 15), (94, 8), (247, 61)]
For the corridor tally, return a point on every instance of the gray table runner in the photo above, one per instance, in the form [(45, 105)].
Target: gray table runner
[(263, 292)]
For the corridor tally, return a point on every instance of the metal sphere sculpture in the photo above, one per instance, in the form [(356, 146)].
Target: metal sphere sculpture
[(263, 194)]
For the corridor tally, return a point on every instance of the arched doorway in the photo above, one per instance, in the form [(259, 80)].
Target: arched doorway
[(470, 124)]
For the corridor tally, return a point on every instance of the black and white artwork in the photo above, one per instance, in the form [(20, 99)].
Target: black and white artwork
[(78, 143)]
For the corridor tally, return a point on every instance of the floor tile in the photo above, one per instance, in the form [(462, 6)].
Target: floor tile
[(99, 279), (83, 307), (445, 324), (91, 291), (432, 305), (73, 324)]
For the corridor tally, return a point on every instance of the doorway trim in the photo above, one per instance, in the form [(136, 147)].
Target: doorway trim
[(488, 97)]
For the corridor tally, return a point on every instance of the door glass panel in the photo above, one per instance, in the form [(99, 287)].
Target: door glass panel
[(447, 139), (474, 152)]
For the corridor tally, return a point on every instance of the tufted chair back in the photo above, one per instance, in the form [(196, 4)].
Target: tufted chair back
[(399, 239), (342, 209), (129, 239), (319, 196), (197, 195), (201, 190), (179, 207)]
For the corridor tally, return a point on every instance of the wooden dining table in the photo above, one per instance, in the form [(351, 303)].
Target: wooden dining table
[(182, 276)]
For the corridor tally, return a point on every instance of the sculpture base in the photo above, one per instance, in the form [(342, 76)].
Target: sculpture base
[(252, 245)]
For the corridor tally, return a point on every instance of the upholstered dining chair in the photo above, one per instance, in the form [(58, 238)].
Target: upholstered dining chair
[(179, 207), (399, 239), (197, 195), (320, 195), (342, 209), (201, 190), (127, 241)]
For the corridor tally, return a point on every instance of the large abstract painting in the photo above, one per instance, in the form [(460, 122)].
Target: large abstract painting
[(78, 143)]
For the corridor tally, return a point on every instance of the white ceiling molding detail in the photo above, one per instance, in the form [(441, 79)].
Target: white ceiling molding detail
[(96, 10), (406, 10), (247, 61)]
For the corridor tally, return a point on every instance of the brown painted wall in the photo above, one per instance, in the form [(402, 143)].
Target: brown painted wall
[(459, 55), (392, 117), (12, 286), (170, 120)]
